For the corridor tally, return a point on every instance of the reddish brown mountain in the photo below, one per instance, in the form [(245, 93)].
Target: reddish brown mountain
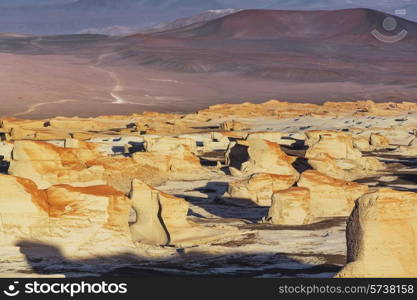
[(279, 24), (252, 55)]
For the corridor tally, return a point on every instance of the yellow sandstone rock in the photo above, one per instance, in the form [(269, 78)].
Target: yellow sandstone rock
[(381, 236), (259, 187), (167, 217), (330, 197), (290, 207)]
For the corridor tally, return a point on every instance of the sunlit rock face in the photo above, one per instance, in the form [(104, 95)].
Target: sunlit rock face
[(80, 221), (334, 154), (381, 236), (222, 189), (162, 219), (330, 197), (290, 207), (47, 164), (259, 187), (260, 156), (316, 197), (24, 210)]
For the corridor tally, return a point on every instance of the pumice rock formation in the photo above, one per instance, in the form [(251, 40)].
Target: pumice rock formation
[(290, 207), (23, 210), (149, 227), (166, 219), (381, 235), (81, 221), (334, 154), (263, 157), (47, 164), (232, 190), (259, 187), (330, 197)]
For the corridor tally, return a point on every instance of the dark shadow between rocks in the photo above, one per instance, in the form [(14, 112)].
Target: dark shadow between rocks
[(225, 207), (48, 259)]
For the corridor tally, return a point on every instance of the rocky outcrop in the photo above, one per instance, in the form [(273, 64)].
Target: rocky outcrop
[(162, 219), (410, 150), (80, 221), (259, 187), (262, 157), (181, 166), (6, 149), (81, 166), (372, 142), (149, 227), (362, 143), (336, 144), (333, 153), (47, 164), (102, 123), (290, 207), (170, 145), (24, 210), (283, 110), (272, 136), (330, 197), (379, 142), (233, 125), (381, 236), (94, 217)]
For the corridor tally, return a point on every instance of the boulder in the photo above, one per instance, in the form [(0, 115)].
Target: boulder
[(149, 227), (91, 124), (47, 164), (233, 125), (330, 197), (167, 217), (336, 144), (290, 207), (379, 142), (6, 149), (9, 123), (259, 187), (170, 145), (362, 143), (93, 219), (179, 166), (274, 136), (381, 236), (394, 135), (260, 156), (410, 150), (326, 164), (334, 154), (81, 166), (79, 221), (24, 210)]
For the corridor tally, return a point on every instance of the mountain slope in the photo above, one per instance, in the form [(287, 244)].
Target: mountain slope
[(187, 21), (275, 24)]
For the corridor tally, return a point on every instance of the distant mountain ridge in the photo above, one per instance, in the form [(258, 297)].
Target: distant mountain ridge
[(187, 21), (145, 4), (49, 17), (280, 24)]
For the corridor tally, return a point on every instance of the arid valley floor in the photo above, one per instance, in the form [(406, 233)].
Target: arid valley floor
[(250, 55), (274, 189)]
